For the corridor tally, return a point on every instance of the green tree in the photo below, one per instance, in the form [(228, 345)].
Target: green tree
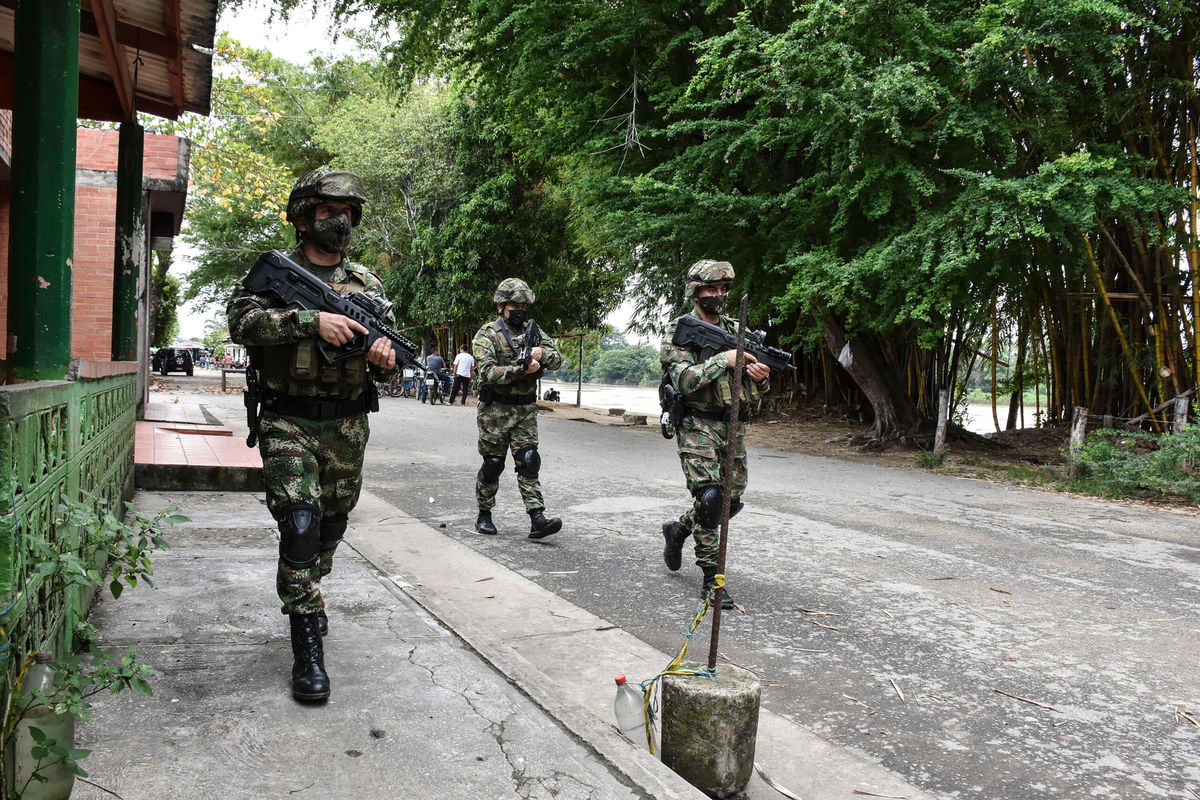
[(165, 291)]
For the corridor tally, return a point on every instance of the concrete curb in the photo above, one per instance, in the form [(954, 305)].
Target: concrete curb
[(192, 478)]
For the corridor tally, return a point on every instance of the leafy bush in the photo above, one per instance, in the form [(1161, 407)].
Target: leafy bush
[(1122, 463), (89, 541)]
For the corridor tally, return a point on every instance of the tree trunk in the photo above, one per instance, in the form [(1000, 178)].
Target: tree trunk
[(895, 415)]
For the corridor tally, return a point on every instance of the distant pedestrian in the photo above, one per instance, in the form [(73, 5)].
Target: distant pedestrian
[(464, 371), (436, 366), (704, 434)]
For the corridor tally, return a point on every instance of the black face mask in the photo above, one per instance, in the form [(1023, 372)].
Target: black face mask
[(331, 235), (516, 317), (713, 304)]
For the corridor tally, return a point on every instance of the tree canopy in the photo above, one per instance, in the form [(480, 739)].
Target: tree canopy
[(914, 187)]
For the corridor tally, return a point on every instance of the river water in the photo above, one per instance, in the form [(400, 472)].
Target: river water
[(644, 400)]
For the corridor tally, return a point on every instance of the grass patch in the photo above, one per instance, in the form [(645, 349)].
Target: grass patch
[(930, 459)]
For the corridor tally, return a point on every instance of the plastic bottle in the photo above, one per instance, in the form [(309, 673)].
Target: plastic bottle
[(59, 727), (631, 718)]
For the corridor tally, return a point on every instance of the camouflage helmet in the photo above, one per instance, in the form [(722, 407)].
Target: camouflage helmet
[(325, 186), (513, 290), (707, 272)]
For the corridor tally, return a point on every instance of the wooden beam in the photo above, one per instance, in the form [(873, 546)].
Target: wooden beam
[(146, 40), (114, 56), (174, 63)]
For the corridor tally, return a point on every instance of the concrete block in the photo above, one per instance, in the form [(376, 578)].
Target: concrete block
[(616, 412), (709, 728), (635, 419)]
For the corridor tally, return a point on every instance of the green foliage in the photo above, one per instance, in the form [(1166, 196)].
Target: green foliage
[(897, 168), (167, 292), (87, 541), (930, 459), (635, 365), (1134, 463), (215, 334)]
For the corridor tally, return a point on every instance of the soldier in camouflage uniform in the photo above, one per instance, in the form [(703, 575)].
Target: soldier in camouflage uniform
[(703, 436), (313, 429), (507, 409)]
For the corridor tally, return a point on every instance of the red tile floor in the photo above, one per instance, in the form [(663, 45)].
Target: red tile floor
[(178, 434)]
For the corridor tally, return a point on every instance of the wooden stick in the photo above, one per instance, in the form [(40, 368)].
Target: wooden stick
[(939, 439), (727, 474), (1024, 699), (1078, 432)]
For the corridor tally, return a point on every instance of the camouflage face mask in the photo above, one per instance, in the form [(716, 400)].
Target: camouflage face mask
[(331, 235), (713, 304)]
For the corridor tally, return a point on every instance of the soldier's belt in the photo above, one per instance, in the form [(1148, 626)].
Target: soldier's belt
[(312, 408), (715, 416), (490, 396)]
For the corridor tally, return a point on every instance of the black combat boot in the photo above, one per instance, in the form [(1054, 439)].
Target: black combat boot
[(484, 524), (309, 680), (540, 527), (710, 578), (675, 535), (323, 622)]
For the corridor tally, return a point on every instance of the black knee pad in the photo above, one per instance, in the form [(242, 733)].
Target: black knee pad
[(735, 506), (492, 467), (300, 535), (529, 463), (708, 506), (332, 530)]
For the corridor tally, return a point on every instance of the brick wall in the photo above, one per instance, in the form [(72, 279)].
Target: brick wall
[(6, 132), (95, 232)]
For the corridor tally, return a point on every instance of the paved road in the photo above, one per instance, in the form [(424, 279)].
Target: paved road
[(932, 597)]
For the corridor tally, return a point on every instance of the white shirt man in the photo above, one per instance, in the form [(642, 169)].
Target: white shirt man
[(464, 370)]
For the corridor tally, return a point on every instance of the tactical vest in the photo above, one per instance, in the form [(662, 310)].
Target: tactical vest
[(299, 369)]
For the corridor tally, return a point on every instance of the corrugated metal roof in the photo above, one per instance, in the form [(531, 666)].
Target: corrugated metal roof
[(155, 44)]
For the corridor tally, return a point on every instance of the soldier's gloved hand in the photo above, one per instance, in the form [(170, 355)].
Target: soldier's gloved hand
[(758, 371), (533, 367), (336, 328), (382, 354)]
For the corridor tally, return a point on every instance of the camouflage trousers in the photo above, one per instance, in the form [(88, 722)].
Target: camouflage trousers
[(503, 428), (701, 444), (318, 463)]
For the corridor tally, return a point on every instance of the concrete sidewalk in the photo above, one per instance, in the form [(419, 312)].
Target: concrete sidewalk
[(414, 713), (452, 676)]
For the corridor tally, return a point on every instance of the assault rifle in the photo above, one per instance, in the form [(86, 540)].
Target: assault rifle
[(533, 338), (711, 339), (276, 274)]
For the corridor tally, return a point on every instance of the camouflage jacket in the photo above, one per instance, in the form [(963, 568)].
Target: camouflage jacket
[(496, 363), (705, 382), (283, 340)]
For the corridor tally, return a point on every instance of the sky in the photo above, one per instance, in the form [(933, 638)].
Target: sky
[(307, 32)]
